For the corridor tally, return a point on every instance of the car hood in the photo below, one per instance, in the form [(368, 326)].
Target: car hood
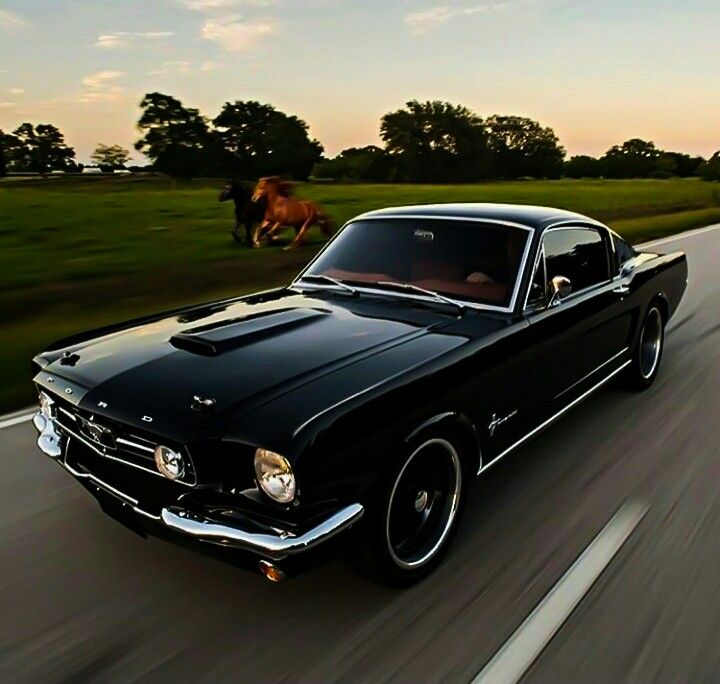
[(239, 355)]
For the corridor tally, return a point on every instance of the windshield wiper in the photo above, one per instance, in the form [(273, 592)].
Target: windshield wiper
[(331, 280), (409, 287)]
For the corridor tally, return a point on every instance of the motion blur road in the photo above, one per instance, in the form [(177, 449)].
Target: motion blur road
[(84, 600)]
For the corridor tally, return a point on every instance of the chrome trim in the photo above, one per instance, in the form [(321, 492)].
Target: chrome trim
[(127, 499), (540, 255), (49, 441), (425, 217), (569, 224), (104, 454), (554, 417), (592, 372), (67, 413), (274, 546), (127, 442)]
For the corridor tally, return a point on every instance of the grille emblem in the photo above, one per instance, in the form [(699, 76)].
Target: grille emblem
[(98, 433)]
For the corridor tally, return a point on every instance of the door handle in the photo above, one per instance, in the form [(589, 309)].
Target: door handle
[(621, 290)]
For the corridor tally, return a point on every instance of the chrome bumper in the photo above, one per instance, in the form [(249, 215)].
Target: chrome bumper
[(276, 545)]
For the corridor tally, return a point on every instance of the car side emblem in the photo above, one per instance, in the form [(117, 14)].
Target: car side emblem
[(102, 404), (496, 422), (147, 419)]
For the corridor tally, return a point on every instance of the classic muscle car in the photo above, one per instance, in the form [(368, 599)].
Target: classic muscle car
[(416, 350)]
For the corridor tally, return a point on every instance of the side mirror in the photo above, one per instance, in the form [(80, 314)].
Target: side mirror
[(560, 287)]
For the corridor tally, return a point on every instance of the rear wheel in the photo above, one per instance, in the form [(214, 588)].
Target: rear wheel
[(418, 512), (648, 351)]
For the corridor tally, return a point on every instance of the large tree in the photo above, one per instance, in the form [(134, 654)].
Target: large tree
[(635, 158), (522, 147), (435, 141), (710, 170), (368, 163), (110, 156), (176, 138), (582, 166), (40, 148), (264, 141)]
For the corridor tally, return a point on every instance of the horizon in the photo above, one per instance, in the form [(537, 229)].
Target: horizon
[(596, 75)]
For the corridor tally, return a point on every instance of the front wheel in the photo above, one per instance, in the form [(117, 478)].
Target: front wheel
[(643, 369), (417, 514)]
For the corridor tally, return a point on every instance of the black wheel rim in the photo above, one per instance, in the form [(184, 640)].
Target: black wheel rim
[(423, 503), (650, 343)]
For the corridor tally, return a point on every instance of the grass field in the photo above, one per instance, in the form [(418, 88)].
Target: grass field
[(80, 252)]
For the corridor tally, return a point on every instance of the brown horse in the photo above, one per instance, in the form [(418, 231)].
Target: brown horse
[(283, 210)]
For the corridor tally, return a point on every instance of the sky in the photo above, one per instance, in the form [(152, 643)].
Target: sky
[(597, 71)]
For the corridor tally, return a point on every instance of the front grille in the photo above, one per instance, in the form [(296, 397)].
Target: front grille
[(147, 495), (116, 442)]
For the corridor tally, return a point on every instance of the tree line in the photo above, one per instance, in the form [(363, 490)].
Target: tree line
[(423, 142)]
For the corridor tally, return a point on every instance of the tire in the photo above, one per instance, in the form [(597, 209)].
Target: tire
[(647, 354), (417, 512)]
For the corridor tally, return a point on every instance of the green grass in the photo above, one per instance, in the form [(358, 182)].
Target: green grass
[(79, 252)]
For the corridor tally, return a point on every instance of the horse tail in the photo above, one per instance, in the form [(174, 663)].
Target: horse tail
[(327, 226)]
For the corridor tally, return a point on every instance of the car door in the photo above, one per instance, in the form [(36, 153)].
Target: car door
[(580, 338)]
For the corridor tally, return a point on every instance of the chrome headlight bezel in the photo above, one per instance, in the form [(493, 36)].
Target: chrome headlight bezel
[(274, 476)]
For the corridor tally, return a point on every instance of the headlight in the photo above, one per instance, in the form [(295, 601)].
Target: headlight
[(46, 413), (46, 406), (170, 463), (275, 476)]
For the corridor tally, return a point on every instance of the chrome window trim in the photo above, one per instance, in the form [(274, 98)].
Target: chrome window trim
[(429, 217), (555, 416), (570, 225)]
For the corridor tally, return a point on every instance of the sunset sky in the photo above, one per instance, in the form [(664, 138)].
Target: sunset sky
[(597, 71)]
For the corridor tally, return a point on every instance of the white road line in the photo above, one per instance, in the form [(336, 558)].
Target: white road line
[(679, 236), (16, 420), (525, 645)]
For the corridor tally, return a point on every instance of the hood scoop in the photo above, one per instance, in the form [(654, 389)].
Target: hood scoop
[(212, 340)]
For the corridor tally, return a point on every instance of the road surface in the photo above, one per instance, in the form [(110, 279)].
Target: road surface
[(623, 490)]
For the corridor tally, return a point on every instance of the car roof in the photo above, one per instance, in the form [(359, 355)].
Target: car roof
[(528, 215)]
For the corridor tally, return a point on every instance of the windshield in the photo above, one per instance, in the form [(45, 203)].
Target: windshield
[(467, 260)]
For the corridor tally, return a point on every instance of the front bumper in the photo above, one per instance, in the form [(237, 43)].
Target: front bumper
[(276, 545), (268, 542)]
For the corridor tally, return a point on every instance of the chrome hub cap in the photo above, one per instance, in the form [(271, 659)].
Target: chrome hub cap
[(423, 503), (650, 343)]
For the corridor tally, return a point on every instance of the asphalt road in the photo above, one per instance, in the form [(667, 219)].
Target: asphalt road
[(84, 600)]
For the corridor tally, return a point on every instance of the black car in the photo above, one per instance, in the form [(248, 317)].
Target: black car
[(417, 349)]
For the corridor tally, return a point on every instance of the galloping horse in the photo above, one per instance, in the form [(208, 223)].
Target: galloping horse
[(282, 210), (248, 212)]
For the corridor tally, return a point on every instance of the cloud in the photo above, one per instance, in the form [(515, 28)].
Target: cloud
[(233, 34), (223, 5), (423, 21), (172, 68), (123, 39), (10, 21), (101, 87), (8, 105), (16, 91), (211, 65)]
